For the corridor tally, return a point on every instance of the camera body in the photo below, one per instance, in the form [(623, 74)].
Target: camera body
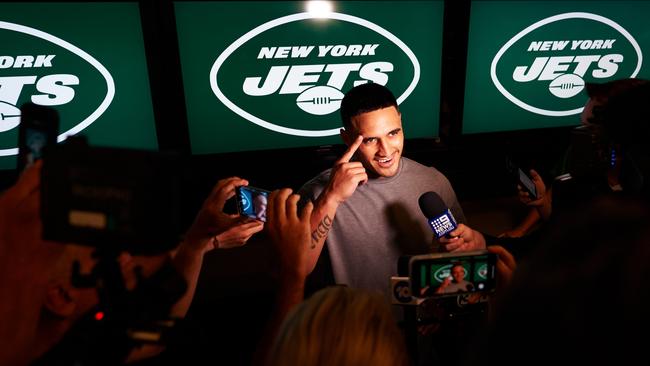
[(109, 198), (445, 286)]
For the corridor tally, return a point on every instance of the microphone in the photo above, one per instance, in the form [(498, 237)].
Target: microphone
[(440, 219)]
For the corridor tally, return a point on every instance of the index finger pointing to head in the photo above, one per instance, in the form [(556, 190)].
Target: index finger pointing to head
[(351, 150)]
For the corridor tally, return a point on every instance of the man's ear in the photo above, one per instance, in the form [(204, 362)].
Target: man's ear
[(59, 300)]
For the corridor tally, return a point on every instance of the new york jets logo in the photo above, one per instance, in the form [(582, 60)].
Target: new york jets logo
[(294, 87), (558, 55), (54, 74), (442, 273)]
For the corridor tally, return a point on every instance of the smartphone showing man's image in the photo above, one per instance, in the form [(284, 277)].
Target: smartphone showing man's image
[(252, 202)]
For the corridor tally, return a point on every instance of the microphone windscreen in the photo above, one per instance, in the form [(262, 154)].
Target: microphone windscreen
[(431, 204)]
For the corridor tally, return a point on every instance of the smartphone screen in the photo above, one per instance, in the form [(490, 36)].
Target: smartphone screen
[(252, 202), (39, 127), (528, 184), (447, 274)]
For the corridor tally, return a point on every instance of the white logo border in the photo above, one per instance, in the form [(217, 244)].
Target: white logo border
[(543, 22), (292, 18), (110, 84)]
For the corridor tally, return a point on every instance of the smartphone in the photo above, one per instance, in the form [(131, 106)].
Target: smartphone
[(252, 202), (38, 128), (528, 184), (521, 177), (451, 274)]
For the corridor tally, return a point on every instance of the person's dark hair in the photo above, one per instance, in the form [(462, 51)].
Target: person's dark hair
[(365, 98), (605, 93), (612, 88), (626, 116), (587, 287)]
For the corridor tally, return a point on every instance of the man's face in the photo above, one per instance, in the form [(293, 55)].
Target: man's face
[(383, 141), (458, 272)]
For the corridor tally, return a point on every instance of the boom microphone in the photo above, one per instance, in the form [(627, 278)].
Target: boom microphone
[(440, 219)]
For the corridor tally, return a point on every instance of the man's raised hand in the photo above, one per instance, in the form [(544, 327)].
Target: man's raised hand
[(346, 176)]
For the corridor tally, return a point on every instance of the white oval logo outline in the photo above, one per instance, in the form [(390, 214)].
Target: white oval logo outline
[(110, 84), (292, 18), (543, 22)]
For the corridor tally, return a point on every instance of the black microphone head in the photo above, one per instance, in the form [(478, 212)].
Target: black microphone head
[(431, 204)]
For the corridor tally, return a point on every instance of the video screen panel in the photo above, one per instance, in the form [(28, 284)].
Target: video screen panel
[(84, 59), (273, 77), (528, 61)]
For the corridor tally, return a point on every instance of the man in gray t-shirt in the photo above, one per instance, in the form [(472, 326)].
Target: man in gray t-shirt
[(366, 206)]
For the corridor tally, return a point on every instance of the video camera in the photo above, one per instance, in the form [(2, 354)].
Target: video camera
[(110, 198), (445, 286), (114, 200)]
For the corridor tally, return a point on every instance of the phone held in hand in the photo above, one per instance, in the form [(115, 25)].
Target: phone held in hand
[(527, 183), (252, 202), (39, 127), (448, 274), (523, 179)]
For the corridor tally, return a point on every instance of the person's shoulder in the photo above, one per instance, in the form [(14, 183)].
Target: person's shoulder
[(416, 167), (316, 184), (322, 177)]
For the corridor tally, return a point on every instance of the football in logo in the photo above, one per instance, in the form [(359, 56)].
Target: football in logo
[(9, 116), (308, 75), (566, 86), (320, 100)]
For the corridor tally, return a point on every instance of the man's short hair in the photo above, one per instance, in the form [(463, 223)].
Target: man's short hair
[(365, 98)]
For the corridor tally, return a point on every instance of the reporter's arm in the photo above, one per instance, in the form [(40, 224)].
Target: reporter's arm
[(211, 229)]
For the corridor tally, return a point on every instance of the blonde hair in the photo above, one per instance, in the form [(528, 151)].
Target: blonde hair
[(340, 326)]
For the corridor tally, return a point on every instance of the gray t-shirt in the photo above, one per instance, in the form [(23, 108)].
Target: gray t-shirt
[(380, 222)]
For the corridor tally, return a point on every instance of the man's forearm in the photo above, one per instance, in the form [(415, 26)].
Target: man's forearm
[(322, 219)]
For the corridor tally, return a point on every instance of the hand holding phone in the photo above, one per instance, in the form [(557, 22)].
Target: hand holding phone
[(252, 202)]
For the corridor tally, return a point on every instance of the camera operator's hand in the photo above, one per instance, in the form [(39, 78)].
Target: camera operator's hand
[(212, 228), (463, 239), (290, 232)]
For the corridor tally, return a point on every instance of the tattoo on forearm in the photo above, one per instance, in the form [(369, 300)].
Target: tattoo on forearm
[(320, 232)]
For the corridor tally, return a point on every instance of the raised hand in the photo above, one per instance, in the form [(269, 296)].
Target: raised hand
[(213, 228), (290, 232), (346, 176), (543, 203)]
